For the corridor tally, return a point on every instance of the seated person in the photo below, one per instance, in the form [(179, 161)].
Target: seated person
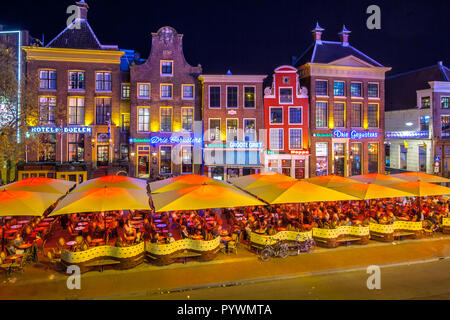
[(129, 232), (119, 242), (170, 239), (184, 232)]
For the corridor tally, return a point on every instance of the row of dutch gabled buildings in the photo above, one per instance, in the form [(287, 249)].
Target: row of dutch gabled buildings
[(160, 116)]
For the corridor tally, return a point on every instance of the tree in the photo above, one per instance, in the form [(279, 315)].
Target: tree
[(13, 122)]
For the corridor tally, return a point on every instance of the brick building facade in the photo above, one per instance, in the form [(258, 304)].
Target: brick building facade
[(165, 127)]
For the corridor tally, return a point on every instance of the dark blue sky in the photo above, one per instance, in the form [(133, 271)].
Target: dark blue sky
[(254, 36)]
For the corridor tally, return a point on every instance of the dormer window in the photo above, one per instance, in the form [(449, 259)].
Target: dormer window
[(166, 68), (426, 102), (285, 95)]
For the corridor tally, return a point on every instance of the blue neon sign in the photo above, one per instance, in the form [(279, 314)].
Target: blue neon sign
[(61, 130), (355, 134)]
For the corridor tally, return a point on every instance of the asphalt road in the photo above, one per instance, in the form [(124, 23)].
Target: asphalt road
[(429, 280)]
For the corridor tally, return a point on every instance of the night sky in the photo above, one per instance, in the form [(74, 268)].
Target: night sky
[(253, 36)]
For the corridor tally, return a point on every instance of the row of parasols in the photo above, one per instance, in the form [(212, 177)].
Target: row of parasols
[(35, 196)]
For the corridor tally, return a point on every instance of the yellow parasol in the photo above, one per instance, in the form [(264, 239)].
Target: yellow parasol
[(297, 192), (103, 199), (366, 191), (45, 185), (331, 181), (420, 176), (377, 178), (25, 203), (203, 197), (184, 181), (421, 188), (112, 181), (260, 179)]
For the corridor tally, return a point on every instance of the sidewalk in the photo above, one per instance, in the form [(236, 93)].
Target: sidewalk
[(37, 283)]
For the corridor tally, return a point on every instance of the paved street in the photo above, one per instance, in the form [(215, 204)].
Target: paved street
[(147, 281)]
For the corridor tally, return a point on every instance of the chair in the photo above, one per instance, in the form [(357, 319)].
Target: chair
[(53, 262), (234, 243)]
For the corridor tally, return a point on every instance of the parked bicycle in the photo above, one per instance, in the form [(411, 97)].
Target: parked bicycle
[(278, 249), (309, 245)]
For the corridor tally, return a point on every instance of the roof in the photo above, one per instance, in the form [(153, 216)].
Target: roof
[(76, 38), (329, 51), (401, 89)]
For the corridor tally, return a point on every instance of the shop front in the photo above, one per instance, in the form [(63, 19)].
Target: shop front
[(294, 164)]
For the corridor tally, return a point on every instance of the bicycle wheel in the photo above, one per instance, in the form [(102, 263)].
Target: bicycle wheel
[(284, 251), (265, 254)]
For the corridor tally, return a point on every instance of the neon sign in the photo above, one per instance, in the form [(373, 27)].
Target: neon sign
[(157, 139), (303, 152), (61, 129), (407, 134), (355, 134), (244, 144)]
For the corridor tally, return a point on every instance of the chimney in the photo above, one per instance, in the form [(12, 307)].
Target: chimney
[(317, 33), (344, 36), (83, 6)]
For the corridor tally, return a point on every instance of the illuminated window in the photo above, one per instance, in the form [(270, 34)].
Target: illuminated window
[(188, 91), (47, 107), (165, 166), (166, 91), (356, 89), (372, 90), (373, 158), (143, 119), (166, 68), (249, 129), (356, 116), (339, 88), (47, 79), (372, 115), (232, 94), (276, 139), (232, 129), (214, 130), (295, 139), (76, 111), (295, 115), (103, 81), (76, 147), (321, 115), (143, 90), (338, 115), (445, 126), (445, 102), (103, 110), (249, 97), (76, 80), (355, 159), (125, 91), (426, 102), (285, 95), (187, 119), (125, 122), (166, 119), (276, 115), (187, 159)]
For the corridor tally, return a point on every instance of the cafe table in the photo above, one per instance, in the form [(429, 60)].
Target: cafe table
[(158, 221), (79, 228), (83, 223), (23, 221), (25, 246), (48, 219), (161, 225), (71, 243), (14, 257), (226, 238), (39, 229), (96, 241), (16, 226), (43, 224)]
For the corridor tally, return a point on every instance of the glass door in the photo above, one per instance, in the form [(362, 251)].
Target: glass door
[(339, 159)]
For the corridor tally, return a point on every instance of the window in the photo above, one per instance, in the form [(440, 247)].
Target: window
[(321, 115), (445, 126), (356, 116), (103, 108), (166, 91), (321, 159), (249, 130), (214, 130), (338, 115), (124, 152), (143, 119), (339, 88), (47, 79), (47, 106), (276, 115), (47, 147), (373, 158), (186, 159), (102, 156), (232, 129), (125, 122), (355, 159), (295, 139), (76, 80), (424, 123), (232, 94), (187, 119), (403, 157), (356, 89), (76, 147), (214, 97), (166, 68), (249, 97), (372, 115), (426, 102), (165, 159), (143, 90), (422, 158), (286, 80), (285, 95), (276, 139), (445, 102), (321, 88), (103, 81), (372, 90), (188, 91), (166, 119), (295, 115), (76, 110), (125, 91)]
